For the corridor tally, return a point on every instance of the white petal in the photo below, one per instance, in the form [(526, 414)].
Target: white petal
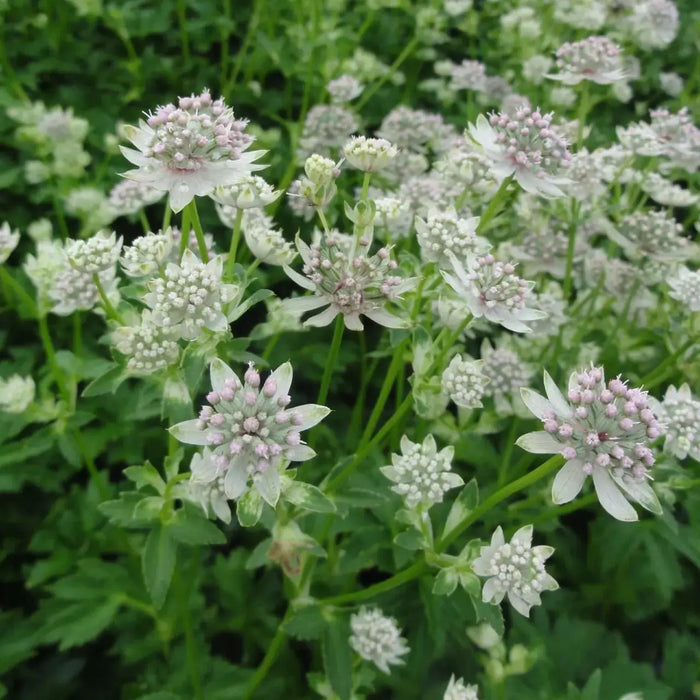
[(219, 372), (561, 405), (310, 414), (568, 482), (302, 304), (539, 443), (352, 322), (520, 604), (268, 485), (322, 319), (189, 433), (537, 404), (492, 592), (235, 481), (283, 378), (220, 506), (302, 281), (523, 535), (386, 319), (299, 453), (611, 497), (497, 538), (642, 492)]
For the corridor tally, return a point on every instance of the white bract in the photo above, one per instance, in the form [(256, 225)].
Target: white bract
[(147, 254), (8, 241), (96, 254), (377, 638), (249, 432), (457, 690), (603, 431), (515, 569)]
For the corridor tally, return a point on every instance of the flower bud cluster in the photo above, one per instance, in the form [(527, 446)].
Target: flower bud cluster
[(666, 192), (129, 197), (464, 382), (457, 690), (147, 254), (421, 474), (653, 24), (394, 215), (594, 58), (75, 290), (318, 187), (680, 413), (16, 393), (96, 254), (377, 638), (507, 373), (344, 89), (326, 129), (251, 191), (369, 155), (264, 240), (149, 347), (467, 75), (190, 296), (8, 241), (412, 129), (652, 233), (444, 233), (515, 569), (685, 288)]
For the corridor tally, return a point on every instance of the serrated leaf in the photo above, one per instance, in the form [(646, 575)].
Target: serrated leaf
[(249, 508), (78, 623), (190, 526), (464, 504), (308, 496), (337, 657), (122, 511), (106, 383), (145, 475), (158, 563), (306, 623)]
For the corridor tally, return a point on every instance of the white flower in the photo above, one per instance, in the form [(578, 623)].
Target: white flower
[(652, 233), (515, 569), (190, 149), (525, 145), (594, 58), (250, 191), (421, 474), (265, 241), (465, 382), (129, 197), (150, 347), (250, 433), (147, 254), (602, 430), (377, 638), (8, 241), (191, 296), (444, 232), (671, 83), (96, 254), (653, 24), (666, 192), (16, 393), (457, 690), (680, 413), (492, 289), (344, 89), (685, 287), (369, 155)]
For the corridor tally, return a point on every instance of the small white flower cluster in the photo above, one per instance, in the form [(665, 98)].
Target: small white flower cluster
[(666, 192), (464, 382), (457, 690), (507, 373), (594, 58), (91, 206), (129, 197), (190, 296), (421, 474), (369, 154), (16, 393), (250, 432), (680, 413), (96, 254), (445, 233), (147, 254), (412, 129), (685, 287), (326, 129), (468, 167), (344, 88), (318, 187), (492, 289), (149, 347), (524, 144), (8, 241), (653, 24), (377, 638), (74, 290), (652, 233), (467, 75), (515, 569), (264, 240), (251, 191)]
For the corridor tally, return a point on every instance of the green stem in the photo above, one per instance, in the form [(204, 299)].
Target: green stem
[(494, 205), (331, 359), (182, 24), (495, 498), (185, 228), (185, 593), (95, 475), (58, 210), (557, 511), (167, 214), (11, 284), (50, 353), (650, 380), (144, 221), (240, 56), (224, 42), (365, 186), (508, 451), (77, 334), (198, 232), (270, 656), (235, 238), (324, 221), (106, 303), (575, 208)]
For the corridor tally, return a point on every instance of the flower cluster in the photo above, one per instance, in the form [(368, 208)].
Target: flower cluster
[(190, 296), (680, 413), (346, 279), (685, 287), (653, 24), (444, 232), (147, 254), (467, 75), (515, 569), (249, 192), (421, 474), (264, 240), (603, 430), (189, 149), (369, 155), (16, 393), (326, 129), (96, 254), (525, 145), (8, 241), (149, 347), (345, 88), (412, 129), (464, 382), (129, 197), (492, 289), (457, 690), (652, 233), (250, 431), (377, 638), (594, 58)]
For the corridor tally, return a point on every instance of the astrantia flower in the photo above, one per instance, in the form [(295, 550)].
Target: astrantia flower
[(344, 89), (377, 638), (250, 191), (345, 278), (444, 232), (412, 129), (326, 129), (264, 240), (653, 23), (189, 149), (421, 474), (525, 145), (492, 289), (16, 393), (149, 347), (129, 197), (465, 382), (251, 433), (602, 430), (96, 254), (515, 569), (652, 233), (457, 690), (191, 296), (594, 58), (8, 241), (369, 155), (507, 373), (147, 254), (680, 413), (666, 192), (685, 287)]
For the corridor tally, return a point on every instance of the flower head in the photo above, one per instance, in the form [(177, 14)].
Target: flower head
[(465, 382), (421, 474), (264, 240), (249, 431), (685, 287), (525, 145), (149, 347), (515, 569), (603, 430), (8, 241), (369, 155), (96, 254), (654, 23), (147, 254), (250, 191), (680, 413), (444, 232), (130, 196), (457, 690), (344, 89), (652, 233), (594, 58), (189, 149), (16, 393), (377, 638)]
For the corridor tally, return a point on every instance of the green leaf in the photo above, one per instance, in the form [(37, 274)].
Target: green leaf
[(308, 496), (464, 504), (410, 539), (306, 623), (486, 612), (145, 475), (190, 526), (446, 581), (23, 450), (106, 383), (253, 299), (337, 657), (120, 511), (158, 563), (249, 508), (78, 623), (171, 464)]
